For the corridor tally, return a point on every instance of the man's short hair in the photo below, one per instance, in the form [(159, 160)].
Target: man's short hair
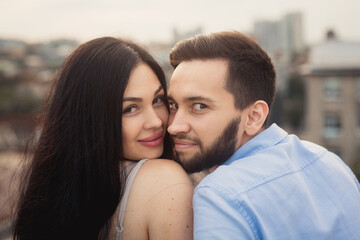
[(251, 74)]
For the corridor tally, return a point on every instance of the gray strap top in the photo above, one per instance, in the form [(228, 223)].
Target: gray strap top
[(125, 197)]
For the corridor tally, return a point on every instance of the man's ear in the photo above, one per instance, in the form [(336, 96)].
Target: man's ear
[(256, 116)]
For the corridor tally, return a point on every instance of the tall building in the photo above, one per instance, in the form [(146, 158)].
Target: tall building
[(281, 40), (267, 34), (332, 79), (291, 33)]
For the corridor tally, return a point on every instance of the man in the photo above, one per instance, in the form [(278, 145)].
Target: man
[(264, 183)]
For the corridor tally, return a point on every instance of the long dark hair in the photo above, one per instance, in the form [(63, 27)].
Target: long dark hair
[(73, 184)]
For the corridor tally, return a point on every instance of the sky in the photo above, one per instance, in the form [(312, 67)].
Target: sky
[(154, 20)]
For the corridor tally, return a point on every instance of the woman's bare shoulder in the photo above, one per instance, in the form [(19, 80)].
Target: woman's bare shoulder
[(161, 201), (163, 164), (163, 172), (166, 191)]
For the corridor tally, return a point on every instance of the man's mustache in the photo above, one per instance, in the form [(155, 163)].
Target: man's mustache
[(184, 136)]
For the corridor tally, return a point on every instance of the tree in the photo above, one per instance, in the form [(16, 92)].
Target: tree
[(294, 101), (356, 166)]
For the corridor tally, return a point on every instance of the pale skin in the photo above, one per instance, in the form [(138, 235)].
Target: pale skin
[(202, 107), (160, 201)]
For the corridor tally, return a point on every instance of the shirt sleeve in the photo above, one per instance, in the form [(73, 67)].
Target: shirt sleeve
[(215, 217)]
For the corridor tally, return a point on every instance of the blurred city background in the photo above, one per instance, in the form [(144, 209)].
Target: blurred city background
[(315, 46)]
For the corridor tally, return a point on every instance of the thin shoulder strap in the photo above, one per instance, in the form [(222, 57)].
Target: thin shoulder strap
[(123, 203)]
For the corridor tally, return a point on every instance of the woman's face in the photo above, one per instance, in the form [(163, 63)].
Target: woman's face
[(145, 115)]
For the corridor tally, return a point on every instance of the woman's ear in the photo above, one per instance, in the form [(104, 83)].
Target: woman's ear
[(256, 116)]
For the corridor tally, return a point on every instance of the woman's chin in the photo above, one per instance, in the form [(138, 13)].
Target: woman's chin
[(149, 154)]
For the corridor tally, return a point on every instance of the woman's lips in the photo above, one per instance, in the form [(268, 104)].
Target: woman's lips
[(153, 140)]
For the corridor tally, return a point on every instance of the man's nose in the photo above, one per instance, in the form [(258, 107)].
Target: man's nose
[(178, 123)]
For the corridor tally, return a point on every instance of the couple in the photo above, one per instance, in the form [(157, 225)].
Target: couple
[(95, 172)]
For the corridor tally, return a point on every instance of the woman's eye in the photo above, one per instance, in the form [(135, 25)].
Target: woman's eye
[(158, 100), (130, 109), (199, 106)]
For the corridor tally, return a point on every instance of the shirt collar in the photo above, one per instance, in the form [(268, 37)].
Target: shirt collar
[(267, 138)]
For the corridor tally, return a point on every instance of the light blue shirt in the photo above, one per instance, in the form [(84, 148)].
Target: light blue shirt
[(278, 187)]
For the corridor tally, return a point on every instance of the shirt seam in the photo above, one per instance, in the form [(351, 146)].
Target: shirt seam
[(256, 149), (278, 175), (226, 195)]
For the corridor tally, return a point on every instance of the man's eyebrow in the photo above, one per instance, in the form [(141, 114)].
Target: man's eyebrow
[(193, 99), (198, 98)]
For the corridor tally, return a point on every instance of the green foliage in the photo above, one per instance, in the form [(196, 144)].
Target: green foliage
[(14, 101)]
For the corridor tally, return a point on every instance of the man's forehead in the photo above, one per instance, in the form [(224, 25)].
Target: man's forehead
[(194, 89), (196, 67), (198, 76)]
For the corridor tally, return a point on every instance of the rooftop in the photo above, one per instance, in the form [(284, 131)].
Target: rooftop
[(335, 55)]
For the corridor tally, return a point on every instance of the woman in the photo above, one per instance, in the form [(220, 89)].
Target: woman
[(106, 112)]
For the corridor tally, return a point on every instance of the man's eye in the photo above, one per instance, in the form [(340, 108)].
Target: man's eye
[(173, 106), (199, 106)]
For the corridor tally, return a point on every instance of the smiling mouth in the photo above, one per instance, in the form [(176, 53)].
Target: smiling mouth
[(153, 140), (183, 145)]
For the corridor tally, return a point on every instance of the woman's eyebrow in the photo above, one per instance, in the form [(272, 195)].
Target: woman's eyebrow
[(135, 99), (158, 90), (132, 99)]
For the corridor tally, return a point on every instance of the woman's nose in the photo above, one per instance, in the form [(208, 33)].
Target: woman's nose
[(152, 120)]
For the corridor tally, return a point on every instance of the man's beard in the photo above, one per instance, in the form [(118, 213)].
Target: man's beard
[(216, 154)]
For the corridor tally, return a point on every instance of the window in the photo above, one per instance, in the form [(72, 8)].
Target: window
[(332, 125), (332, 88)]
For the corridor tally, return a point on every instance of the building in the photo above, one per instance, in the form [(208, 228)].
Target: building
[(282, 40), (332, 79), (291, 33)]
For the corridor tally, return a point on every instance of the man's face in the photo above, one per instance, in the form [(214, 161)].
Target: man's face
[(204, 123)]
